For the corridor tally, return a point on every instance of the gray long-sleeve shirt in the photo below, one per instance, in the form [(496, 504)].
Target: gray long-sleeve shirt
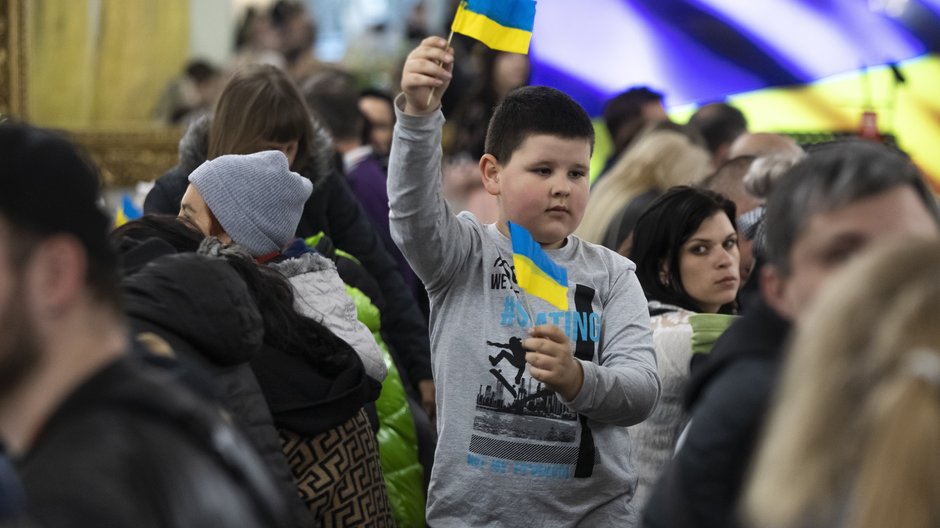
[(510, 452)]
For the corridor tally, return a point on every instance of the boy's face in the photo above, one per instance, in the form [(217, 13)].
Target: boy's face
[(544, 186)]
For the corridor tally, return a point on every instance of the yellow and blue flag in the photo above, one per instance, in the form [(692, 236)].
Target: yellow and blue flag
[(126, 212), (504, 25), (536, 273)]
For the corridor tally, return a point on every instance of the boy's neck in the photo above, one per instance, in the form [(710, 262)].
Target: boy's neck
[(503, 227)]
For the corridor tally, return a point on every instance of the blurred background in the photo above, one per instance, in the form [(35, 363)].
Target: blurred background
[(815, 69)]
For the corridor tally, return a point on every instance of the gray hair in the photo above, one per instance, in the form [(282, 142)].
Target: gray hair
[(830, 178), (766, 170)]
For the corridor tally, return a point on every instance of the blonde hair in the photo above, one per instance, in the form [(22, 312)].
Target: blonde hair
[(658, 161), (853, 438)]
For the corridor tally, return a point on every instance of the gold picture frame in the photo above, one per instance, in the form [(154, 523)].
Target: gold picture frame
[(124, 156)]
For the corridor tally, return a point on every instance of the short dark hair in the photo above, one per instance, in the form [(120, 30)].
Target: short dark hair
[(49, 186), (829, 178), (533, 110), (719, 123), (660, 232), (378, 93), (628, 105), (333, 97)]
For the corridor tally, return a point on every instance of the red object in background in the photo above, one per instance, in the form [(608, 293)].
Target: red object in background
[(869, 126)]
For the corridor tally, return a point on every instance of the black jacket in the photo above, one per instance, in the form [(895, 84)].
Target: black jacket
[(131, 448), (335, 211), (729, 397), (202, 309)]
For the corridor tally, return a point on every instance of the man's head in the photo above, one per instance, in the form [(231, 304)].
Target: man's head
[(254, 200), (760, 144), (333, 97), (378, 108), (537, 161), (720, 124), (832, 205), (628, 112), (54, 254)]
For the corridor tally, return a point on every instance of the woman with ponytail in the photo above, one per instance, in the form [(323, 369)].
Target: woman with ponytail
[(853, 440)]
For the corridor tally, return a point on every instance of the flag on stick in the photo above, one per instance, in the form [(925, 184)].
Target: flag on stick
[(536, 273), (504, 25)]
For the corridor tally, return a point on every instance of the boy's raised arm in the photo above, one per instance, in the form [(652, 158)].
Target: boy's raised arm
[(426, 76), (432, 239)]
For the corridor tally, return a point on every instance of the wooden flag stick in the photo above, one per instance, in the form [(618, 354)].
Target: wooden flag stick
[(451, 37), (528, 307)]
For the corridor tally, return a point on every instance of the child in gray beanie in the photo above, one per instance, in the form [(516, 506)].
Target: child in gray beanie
[(255, 201), (255, 198)]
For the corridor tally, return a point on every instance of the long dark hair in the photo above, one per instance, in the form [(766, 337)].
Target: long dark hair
[(183, 236), (660, 232)]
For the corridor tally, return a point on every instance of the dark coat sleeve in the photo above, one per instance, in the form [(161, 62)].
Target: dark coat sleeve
[(702, 484), (167, 192), (334, 210)]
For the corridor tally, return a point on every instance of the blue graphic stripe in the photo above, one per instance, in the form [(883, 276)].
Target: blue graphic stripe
[(518, 14)]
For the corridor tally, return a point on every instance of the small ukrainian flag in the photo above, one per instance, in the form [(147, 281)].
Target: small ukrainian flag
[(504, 25), (126, 212), (536, 273)]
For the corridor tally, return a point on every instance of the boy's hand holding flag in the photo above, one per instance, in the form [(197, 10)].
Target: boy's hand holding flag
[(548, 349)]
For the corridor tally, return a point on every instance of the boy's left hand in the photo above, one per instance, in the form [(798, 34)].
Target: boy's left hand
[(551, 362)]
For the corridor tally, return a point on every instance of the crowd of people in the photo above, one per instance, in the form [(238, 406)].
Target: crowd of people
[(318, 321)]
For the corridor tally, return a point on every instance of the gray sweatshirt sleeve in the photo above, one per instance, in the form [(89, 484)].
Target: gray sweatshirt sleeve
[(623, 387), (434, 241)]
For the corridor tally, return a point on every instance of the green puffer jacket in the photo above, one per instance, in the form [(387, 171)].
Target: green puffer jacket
[(398, 442)]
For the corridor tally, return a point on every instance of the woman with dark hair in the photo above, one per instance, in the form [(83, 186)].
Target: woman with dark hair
[(685, 248), (261, 109)]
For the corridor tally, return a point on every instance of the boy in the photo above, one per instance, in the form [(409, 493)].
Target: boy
[(543, 441)]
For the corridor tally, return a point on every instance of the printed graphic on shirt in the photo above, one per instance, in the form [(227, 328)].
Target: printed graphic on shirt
[(520, 426)]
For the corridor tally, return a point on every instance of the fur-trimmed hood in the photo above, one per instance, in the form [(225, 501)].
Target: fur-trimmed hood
[(194, 149), (319, 293)]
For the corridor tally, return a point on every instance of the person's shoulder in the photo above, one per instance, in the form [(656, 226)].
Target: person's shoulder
[(739, 395), (669, 318), (589, 256)]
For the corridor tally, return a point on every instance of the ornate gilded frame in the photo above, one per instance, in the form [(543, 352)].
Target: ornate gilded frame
[(125, 156)]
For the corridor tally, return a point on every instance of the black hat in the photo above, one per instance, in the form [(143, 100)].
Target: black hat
[(47, 187)]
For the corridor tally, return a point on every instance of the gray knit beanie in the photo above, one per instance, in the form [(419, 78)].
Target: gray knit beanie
[(255, 197)]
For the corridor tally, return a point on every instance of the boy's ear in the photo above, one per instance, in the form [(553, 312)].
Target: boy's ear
[(489, 172)]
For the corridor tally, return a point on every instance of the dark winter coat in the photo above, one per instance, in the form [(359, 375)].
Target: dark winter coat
[(129, 447), (201, 308), (368, 181), (333, 210), (729, 397)]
